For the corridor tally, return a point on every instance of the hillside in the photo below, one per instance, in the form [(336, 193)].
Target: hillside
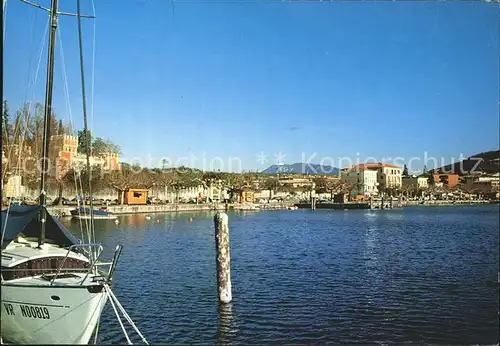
[(301, 168), (487, 162)]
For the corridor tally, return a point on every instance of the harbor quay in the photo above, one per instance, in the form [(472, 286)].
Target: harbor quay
[(164, 208), (65, 210)]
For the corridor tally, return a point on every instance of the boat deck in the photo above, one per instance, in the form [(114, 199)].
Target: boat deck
[(21, 250)]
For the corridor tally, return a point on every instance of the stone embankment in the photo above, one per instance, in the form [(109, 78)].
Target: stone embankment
[(165, 208), (448, 202)]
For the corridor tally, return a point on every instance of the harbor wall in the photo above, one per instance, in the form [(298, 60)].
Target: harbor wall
[(445, 202), (335, 206), (165, 208)]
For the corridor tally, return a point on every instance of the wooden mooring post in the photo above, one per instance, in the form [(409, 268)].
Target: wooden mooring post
[(222, 257)]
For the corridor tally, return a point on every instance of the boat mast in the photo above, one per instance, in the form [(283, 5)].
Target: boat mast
[(47, 118), (86, 131)]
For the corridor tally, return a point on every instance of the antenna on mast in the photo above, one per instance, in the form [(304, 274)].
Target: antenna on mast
[(58, 13)]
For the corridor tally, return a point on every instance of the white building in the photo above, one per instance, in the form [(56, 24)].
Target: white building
[(365, 179), (415, 182), (14, 187), (389, 176), (493, 179)]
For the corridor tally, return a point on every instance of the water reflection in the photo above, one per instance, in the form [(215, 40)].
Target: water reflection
[(371, 216), (311, 277), (371, 247), (226, 330), (137, 221)]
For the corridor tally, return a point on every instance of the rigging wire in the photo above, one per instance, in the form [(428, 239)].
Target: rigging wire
[(70, 115), (92, 95), (17, 127), (87, 226), (25, 117), (29, 85), (37, 73), (113, 300), (116, 313), (34, 20), (125, 314), (85, 122), (97, 329)]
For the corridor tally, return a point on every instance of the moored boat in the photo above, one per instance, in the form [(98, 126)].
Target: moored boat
[(52, 290), (83, 213), (53, 285)]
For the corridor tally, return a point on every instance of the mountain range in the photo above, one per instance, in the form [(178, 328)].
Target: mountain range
[(487, 162)]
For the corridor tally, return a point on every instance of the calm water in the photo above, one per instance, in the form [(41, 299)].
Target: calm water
[(422, 274)]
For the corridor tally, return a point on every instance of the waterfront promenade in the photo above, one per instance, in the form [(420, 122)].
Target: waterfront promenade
[(65, 210), (165, 208)]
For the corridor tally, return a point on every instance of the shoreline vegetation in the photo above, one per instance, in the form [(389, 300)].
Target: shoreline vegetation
[(68, 181)]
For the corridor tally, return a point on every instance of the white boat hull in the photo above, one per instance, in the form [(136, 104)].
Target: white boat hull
[(33, 315), (96, 217)]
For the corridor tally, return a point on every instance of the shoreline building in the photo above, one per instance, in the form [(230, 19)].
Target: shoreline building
[(448, 180), (64, 155), (416, 182), (388, 176), (365, 180)]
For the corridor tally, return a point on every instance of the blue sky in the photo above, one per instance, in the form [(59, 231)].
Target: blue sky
[(305, 79)]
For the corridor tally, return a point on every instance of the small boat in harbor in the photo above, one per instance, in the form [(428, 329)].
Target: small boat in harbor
[(83, 213), (248, 207)]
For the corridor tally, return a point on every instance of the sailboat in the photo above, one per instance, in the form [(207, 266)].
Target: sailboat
[(83, 213), (53, 286)]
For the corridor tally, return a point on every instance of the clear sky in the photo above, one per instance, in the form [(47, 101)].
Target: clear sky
[(304, 79)]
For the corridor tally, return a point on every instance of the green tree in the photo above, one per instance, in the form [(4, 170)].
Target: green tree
[(164, 178), (189, 178), (6, 126), (99, 147), (112, 147), (60, 128), (93, 179), (405, 171), (129, 177), (322, 184), (272, 184), (54, 125), (84, 140), (35, 131)]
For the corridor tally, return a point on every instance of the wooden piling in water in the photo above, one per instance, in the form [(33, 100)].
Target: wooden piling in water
[(313, 203), (222, 257)]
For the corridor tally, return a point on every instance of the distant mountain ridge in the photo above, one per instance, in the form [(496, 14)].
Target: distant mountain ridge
[(301, 168), (487, 162)]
